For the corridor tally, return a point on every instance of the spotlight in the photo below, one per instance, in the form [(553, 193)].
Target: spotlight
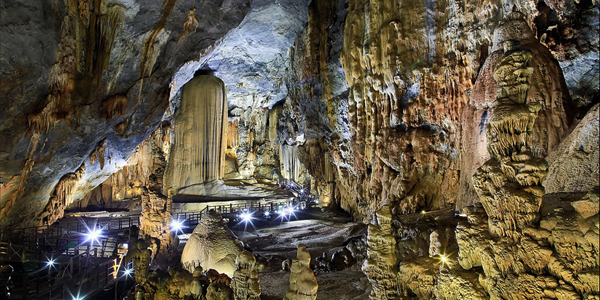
[(423, 212), (246, 217), (77, 298), (93, 235), (290, 211), (267, 213), (176, 225), (444, 258), (50, 263), (302, 191), (127, 272)]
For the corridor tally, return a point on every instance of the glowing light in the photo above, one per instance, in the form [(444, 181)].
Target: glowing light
[(127, 272), (423, 212), (286, 212), (93, 235), (246, 217), (77, 298), (302, 191), (444, 258), (176, 225), (267, 213), (50, 263), (125, 246)]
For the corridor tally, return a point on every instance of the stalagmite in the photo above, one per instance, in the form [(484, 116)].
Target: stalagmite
[(198, 152), (509, 184), (380, 266), (245, 282), (303, 284), (212, 246)]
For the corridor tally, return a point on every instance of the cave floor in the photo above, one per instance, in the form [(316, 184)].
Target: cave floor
[(321, 232)]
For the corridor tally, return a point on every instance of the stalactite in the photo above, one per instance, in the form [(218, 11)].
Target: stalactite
[(61, 197), (274, 115), (113, 106), (190, 25), (109, 25), (289, 163), (98, 154), (198, 151), (233, 134)]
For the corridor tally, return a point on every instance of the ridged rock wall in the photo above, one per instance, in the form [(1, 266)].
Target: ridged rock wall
[(395, 100)]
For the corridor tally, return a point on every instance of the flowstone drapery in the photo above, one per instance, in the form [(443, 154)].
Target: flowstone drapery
[(198, 151)]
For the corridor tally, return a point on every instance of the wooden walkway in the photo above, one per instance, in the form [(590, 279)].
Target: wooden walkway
[(82, 267)]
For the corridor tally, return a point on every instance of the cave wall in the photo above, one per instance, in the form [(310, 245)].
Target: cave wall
[(77, 74), (388, 89)]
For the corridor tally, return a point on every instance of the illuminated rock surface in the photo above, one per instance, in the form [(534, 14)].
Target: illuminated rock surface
[(245, 282), (212, 246), (464, 133), (303, 284), (198, 152)]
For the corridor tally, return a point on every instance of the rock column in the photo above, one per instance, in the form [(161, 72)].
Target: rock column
[(198, 151), (510, 183), (303, 284)]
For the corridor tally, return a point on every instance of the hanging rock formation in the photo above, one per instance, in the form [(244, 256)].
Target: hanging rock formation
[(212, 246), (245, 282), (198, 152), (303, 284)]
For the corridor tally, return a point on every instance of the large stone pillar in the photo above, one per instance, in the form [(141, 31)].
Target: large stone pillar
[(199, 144)]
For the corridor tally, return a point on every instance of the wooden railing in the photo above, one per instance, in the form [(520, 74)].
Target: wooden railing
[(81, 274)]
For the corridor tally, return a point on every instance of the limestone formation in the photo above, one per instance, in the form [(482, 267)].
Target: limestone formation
[(73, 80), (138, 254), (143, 170), (303, 284), (245, 283), (573, 165), (212, 246), (380, 266), (155, 223), (509, 184), (198, 152), (544, 85)]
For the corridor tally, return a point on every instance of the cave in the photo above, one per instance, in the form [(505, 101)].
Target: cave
[(299, 149)]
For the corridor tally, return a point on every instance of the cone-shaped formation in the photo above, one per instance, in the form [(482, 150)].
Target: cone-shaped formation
[(212, 245), (198, 151), (245, 282), (303, 284)]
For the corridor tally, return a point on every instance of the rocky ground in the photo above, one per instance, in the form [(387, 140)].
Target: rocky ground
[(321, 232)]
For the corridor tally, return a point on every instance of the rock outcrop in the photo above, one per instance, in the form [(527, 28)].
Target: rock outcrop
[(212, 246), (573, 165), (303, 284), (245, 283)]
